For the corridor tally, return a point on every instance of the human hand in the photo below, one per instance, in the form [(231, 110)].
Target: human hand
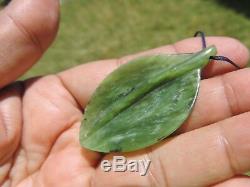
[(40, 118)]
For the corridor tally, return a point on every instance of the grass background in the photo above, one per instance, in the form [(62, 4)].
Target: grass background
[(94, 29)]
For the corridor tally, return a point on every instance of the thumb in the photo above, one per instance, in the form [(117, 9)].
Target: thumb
[(27, 28)]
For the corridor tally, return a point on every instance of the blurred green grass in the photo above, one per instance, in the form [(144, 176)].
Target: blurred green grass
[(92, 30)]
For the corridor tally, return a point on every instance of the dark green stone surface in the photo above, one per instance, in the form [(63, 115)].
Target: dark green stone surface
[(142, 102)]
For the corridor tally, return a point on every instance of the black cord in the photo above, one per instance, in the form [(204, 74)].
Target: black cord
[(203, 38), (225, 59)]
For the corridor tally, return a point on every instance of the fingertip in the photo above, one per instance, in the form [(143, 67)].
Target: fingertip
[(41, 17), (27, 29)]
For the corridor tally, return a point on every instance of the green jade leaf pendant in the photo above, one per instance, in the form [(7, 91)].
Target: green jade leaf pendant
[(143, 101)]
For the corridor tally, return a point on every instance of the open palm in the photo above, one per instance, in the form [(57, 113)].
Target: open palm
[(40, 118)]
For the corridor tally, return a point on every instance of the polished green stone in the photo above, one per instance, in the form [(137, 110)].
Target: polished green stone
[(143, 101)]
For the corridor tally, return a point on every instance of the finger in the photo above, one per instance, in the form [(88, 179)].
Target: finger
[(10, 120), (10, 126), (202, 157), (236, 181), (219, 98), (83, 80), (27, 29)]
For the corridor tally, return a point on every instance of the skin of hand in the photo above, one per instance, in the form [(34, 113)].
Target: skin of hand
[(40, 117)]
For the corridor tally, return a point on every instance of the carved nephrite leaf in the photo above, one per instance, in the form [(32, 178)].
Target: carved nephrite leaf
[(142, 102)]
